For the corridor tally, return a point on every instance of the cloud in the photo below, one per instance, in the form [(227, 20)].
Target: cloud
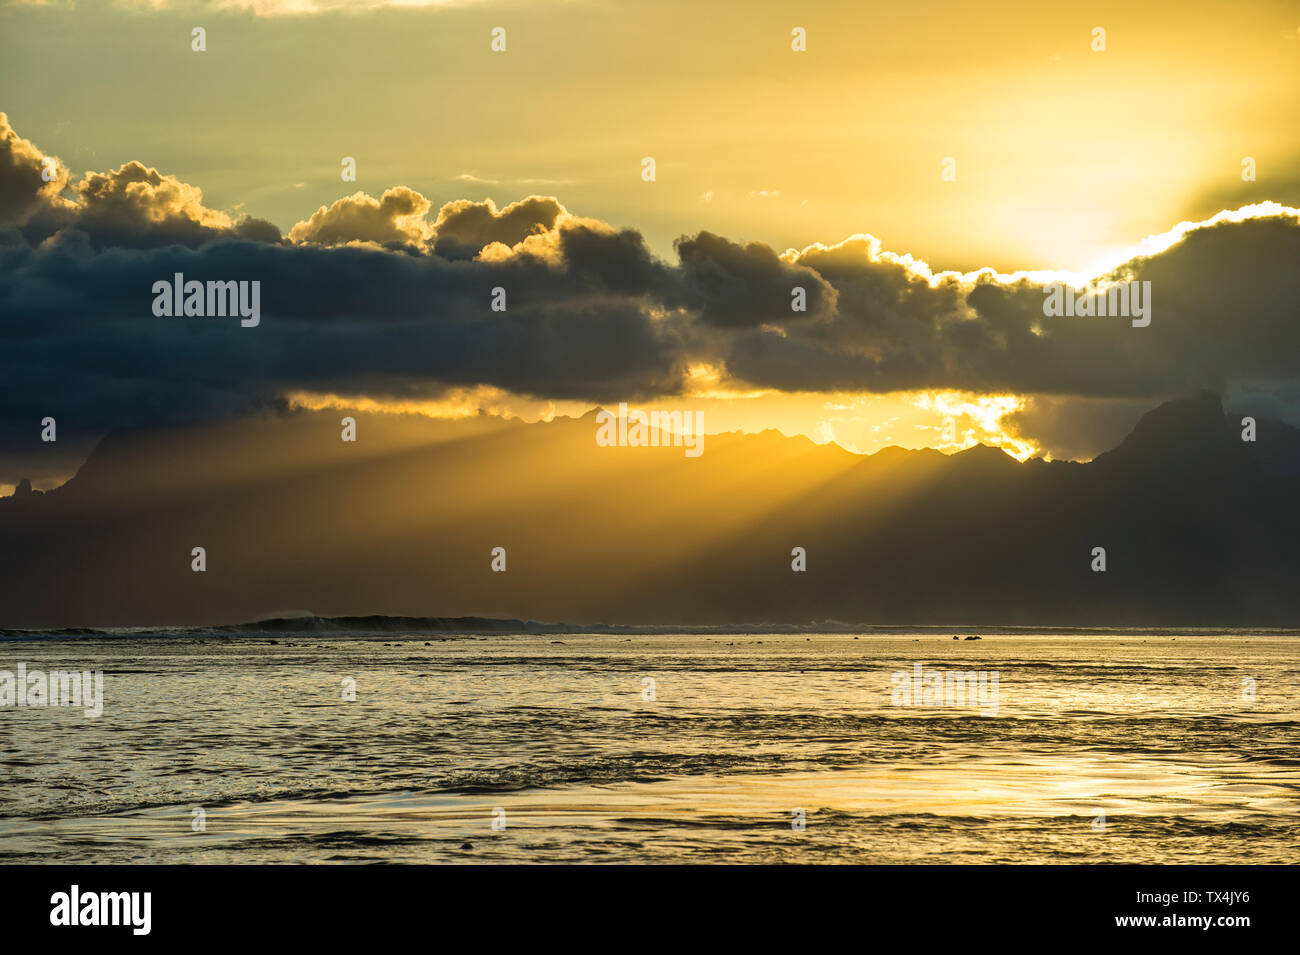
[(736, 286), (396, 217), (79, 341), (138, 206), (1075, 428), (1222, 303), (369, 297), (465, 227), (24, 191), (462, 230), (133, 206)]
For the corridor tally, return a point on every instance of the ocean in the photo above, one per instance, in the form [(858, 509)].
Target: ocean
[(1071, 747)]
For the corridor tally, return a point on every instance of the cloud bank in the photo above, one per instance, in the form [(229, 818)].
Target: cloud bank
[(379, 296)]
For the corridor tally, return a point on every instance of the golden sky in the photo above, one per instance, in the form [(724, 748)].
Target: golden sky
[(1062, 152)]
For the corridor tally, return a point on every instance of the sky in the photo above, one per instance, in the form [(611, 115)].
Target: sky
[(880, 168)]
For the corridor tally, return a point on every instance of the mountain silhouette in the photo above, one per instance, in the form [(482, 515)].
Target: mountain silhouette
[(1199, 528)]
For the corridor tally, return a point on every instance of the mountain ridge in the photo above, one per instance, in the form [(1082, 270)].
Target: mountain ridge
[(1200, 528)]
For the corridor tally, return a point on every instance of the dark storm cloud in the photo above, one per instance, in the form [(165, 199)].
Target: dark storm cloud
[(370, 296), (1223, 308), (81, 333), (735, 286)]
